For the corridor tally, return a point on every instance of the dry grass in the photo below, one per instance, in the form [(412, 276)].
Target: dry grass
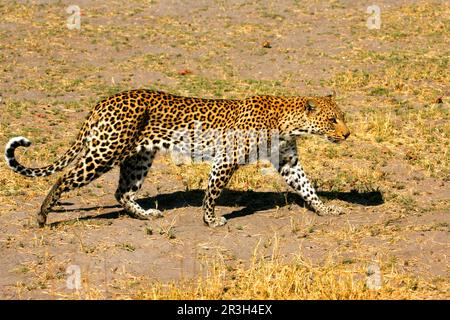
[(272, 278), (388, 82)]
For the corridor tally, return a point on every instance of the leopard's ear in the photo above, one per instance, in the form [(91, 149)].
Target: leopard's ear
[(311, 106)]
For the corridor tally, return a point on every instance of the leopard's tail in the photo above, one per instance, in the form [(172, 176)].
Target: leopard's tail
[(58, 165)]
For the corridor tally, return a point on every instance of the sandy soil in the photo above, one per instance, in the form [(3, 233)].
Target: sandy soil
[(58, 74)]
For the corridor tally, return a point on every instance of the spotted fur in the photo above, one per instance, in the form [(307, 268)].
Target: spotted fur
[(129, 128)]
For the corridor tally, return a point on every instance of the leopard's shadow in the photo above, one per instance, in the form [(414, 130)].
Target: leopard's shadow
[(253, 201), (249, 201)]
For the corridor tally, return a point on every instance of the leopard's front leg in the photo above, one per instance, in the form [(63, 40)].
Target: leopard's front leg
[(295, 176)]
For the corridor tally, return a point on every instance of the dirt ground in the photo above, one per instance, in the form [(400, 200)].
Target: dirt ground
[(391, 176)]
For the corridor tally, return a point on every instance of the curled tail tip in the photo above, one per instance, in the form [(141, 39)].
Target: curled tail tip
[(16, 142), (13, 164), (12, 145)]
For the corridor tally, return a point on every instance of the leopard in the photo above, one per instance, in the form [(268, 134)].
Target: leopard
[(127, 129)]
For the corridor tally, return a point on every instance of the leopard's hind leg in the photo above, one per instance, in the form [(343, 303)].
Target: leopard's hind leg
[(220, 175), (86, 170), (132, 174)]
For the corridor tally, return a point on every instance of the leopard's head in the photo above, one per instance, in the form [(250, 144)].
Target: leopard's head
[(316, 115)]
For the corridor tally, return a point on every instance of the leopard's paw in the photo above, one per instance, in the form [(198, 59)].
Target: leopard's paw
[(146, 215), (155, 213), (41, 219), (217, 222), (330, 210)]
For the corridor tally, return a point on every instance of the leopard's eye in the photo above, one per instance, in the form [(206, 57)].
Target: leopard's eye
[(334, 120)]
